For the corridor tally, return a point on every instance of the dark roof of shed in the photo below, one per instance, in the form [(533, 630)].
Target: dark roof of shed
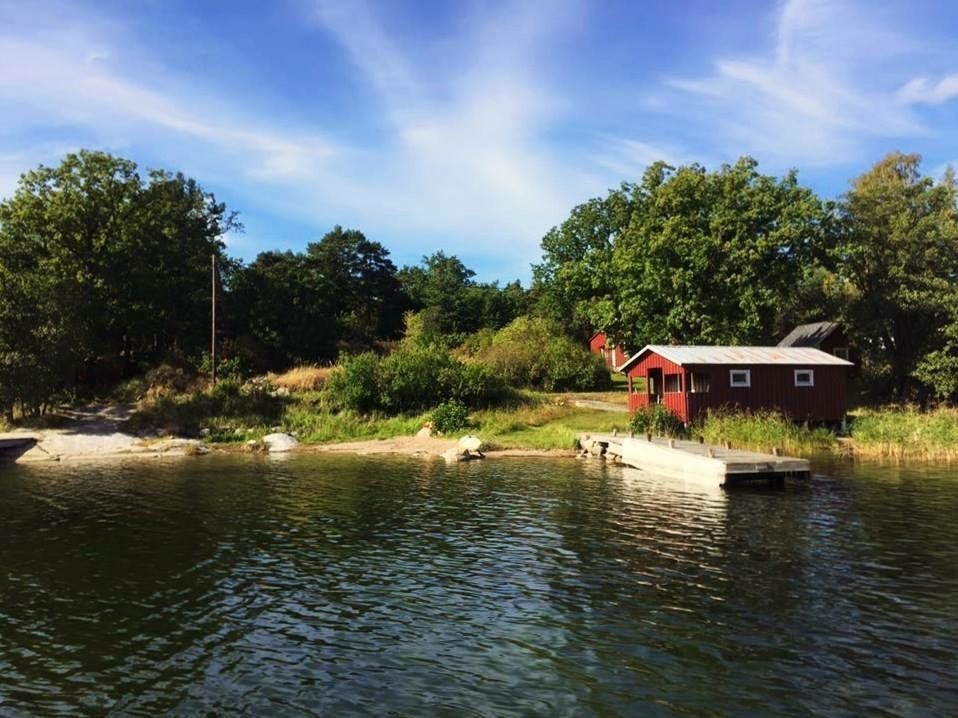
[(809, 335)]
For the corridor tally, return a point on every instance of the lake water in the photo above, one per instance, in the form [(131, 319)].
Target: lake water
[(321, 585)]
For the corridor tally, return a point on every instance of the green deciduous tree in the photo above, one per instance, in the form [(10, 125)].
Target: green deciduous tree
[(102, 263), (897, 255)]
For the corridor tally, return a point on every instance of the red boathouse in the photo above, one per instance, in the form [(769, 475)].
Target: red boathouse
[(802, 383), (611, 353)]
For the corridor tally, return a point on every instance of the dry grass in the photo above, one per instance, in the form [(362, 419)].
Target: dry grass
[(306, 377)]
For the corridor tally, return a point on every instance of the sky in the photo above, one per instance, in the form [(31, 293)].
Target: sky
[(469, 126)]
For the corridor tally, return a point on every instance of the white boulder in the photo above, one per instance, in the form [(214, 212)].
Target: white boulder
[(279, 443)]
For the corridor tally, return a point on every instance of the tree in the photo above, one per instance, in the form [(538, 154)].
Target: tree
[(712, 257), (685, 256), (897, 255), (103, 264), (365, 292), (573, 285)]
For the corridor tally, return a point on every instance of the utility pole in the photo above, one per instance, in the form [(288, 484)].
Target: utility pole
[(213, 334)]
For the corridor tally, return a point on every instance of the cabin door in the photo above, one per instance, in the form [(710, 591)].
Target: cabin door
[(655, 386)]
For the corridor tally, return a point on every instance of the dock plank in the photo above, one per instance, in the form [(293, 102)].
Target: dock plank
[(691, 459)]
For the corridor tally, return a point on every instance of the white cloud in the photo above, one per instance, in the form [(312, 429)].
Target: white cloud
[(466, 154), (807, 100), (923, 90)]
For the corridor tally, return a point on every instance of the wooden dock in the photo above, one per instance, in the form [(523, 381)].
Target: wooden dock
[(691, 460)]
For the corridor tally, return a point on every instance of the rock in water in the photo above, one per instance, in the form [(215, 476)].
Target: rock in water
[(470, 443), (279, 443)]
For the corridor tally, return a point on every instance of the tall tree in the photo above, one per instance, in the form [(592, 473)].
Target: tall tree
[(106, 263), (898, 255), (365, 291)]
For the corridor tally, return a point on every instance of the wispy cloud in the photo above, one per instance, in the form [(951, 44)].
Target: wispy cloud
[(806, 99), (924, 90)]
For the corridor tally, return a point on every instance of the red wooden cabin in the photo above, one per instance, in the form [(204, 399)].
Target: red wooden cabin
[(612, 353), (802, 383)]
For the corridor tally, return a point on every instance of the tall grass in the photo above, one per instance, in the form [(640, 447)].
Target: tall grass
[(763, 431), (906, 433), (306, 377)]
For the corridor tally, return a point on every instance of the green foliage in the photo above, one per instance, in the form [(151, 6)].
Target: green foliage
[(411, 379), (906, 432), (897, 255), (450, 304), (533, 352), (355, 383), (657, 421), (95, 262), (765, 430), (450, 416), (685, 256)]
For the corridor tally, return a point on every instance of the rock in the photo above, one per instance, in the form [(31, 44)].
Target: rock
[(279, 443), (424, 433), (455, 454), (470, 443)]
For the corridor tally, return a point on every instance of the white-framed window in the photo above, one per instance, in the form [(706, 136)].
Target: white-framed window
[(740, 378), (673, 383), (804, 377), (842, 353)]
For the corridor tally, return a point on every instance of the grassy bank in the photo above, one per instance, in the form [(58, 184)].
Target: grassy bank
[(231, 413), (906, 433), (763, 431)]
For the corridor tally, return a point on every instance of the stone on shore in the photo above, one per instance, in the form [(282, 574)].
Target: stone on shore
[(279, 443), (470, 443)]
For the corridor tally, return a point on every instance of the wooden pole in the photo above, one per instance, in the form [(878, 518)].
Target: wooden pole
[(213, 332)]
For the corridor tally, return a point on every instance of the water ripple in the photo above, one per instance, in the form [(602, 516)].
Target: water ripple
[(338, 586)]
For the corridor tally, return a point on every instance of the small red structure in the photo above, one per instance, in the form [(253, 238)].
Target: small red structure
[(802, 383), (612, 353)]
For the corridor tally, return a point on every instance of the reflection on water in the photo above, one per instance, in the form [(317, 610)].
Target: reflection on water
[(330, 585)]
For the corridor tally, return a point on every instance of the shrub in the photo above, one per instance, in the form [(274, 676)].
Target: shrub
[(658, 421), (449, 416), (354, 384), (535, 353)]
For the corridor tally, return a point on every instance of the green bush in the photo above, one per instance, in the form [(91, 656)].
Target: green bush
[(411, 379), (449, 416), (534, 353), (658, 421), (355, 383)]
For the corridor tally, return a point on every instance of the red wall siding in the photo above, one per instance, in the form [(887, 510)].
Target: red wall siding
[(614, 356), (674, 402), (773, 387)]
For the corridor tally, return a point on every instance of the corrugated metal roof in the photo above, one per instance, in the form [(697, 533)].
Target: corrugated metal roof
[(808, 335), (683, 355)]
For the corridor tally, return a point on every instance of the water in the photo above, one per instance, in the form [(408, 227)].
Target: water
[(341, 586)]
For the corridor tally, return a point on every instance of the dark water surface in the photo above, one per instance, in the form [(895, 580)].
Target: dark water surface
[(341, 586)]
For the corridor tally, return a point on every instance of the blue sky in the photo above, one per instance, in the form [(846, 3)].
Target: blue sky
[(471, 127)]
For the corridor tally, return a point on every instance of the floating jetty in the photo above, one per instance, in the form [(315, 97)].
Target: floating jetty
[(691, 460)]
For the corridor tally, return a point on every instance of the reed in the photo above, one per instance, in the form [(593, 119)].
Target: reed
[(906, 433), (765, 430)]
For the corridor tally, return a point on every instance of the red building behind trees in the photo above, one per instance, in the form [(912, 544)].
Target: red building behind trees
[(613, 354), (804, 384)]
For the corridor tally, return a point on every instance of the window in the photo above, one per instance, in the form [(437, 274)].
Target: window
[(698, 382), (673, 383), (842, 353), (740, 378), (804, 377)]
